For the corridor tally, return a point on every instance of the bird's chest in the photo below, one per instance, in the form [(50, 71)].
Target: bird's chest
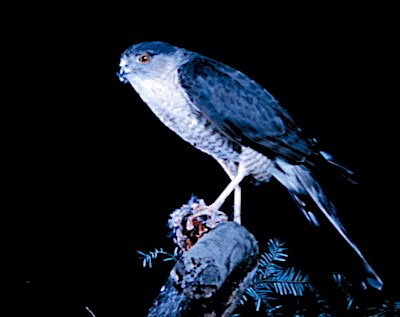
[(170, 104)]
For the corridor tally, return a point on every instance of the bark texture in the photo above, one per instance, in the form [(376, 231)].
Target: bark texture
[(210, 278)]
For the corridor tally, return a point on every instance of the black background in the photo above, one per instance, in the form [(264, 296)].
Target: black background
[(91, 175)]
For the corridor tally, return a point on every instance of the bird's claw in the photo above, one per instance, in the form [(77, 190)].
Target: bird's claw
[(214, 216)]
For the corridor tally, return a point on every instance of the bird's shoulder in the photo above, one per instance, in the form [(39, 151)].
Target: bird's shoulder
[(204, 77), (198, 66)]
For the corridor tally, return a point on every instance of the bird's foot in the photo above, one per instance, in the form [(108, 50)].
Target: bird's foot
[(208, 216), (192, 221)]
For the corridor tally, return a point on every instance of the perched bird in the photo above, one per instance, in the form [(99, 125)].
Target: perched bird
[(224, 113)]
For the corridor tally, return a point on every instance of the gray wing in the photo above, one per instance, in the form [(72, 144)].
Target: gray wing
[(243, 110)]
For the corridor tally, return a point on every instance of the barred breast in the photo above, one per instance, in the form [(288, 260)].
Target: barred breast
[(199, 132), (169, 103)]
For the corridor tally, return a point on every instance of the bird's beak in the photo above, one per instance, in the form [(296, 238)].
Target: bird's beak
[(121, 75), (122, 72)]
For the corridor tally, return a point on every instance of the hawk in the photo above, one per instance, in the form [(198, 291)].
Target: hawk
[(226, 114)]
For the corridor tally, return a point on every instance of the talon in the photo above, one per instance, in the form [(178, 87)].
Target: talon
[(215, 216)]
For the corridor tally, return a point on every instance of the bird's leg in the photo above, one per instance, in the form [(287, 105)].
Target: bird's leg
[(233, 185), (231, 169), (213, 210), (237, 204)]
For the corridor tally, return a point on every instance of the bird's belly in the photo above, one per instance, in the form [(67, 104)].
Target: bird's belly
[(199, 132)]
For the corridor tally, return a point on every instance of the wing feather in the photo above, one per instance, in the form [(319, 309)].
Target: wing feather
[(243, 110)]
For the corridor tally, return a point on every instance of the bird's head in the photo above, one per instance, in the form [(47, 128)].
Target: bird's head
[(148, 60)]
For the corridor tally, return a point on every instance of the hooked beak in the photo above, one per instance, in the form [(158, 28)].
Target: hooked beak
[(122, 72), (121, 75)]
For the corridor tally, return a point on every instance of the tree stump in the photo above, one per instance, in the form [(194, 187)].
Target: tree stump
[(211, 277)]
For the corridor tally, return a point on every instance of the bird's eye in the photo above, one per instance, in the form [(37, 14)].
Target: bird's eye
[(144, 58)]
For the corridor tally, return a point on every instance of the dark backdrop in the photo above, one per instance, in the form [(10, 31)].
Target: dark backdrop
[(92, 175)]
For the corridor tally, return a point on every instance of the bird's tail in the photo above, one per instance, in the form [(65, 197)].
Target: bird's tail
[(301, 184)]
